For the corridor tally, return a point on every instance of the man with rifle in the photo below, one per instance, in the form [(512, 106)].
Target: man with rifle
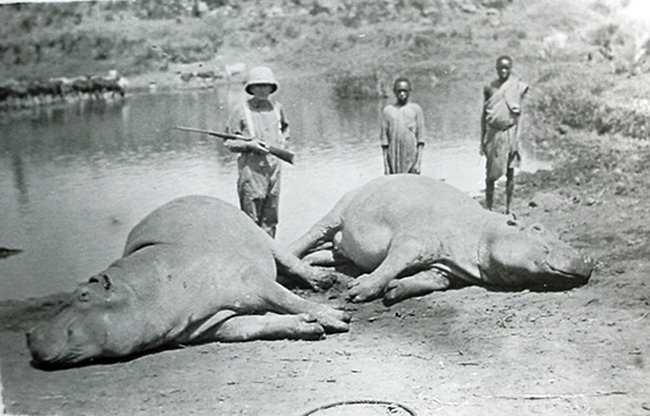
[(262, 119)]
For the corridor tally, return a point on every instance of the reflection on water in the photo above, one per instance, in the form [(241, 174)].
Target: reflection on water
[(75, 180)]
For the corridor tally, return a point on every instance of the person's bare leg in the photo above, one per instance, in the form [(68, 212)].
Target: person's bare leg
[(489, 193), (510, 187)]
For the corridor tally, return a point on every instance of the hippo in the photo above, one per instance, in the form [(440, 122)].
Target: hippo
[(411, 235), (195, 270)]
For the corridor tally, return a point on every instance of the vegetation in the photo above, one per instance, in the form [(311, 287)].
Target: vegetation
[(580, 57)]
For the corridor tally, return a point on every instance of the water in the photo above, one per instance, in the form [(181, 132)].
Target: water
[(74, 181)]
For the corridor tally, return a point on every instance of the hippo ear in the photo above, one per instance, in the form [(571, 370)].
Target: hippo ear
[(537, 228), (103, 279), (511, 222)]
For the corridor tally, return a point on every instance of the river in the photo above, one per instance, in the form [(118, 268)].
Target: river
[(75, 179)]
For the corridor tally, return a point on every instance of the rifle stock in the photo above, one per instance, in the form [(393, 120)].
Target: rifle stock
[(281, 154)]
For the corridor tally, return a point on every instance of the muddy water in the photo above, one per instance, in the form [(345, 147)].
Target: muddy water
[(74, 180)]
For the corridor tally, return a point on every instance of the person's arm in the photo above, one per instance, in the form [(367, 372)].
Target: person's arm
[(486, 97), (417, 166), (419, 137), (383, 139), (243, 146), (284, 125), (237, 125)]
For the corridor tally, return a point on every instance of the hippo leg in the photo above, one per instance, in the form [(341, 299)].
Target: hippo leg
[(319, 234), (327, 255), (405, 253), (269, 326), (292, 266), (323, 231), (325, 258), (321, 258), (281, 300), (419, 284)]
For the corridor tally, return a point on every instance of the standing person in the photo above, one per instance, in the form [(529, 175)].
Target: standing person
[(500, 129), (402, 132), (258, 185)]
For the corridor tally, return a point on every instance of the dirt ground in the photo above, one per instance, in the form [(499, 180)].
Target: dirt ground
[(460, 352)]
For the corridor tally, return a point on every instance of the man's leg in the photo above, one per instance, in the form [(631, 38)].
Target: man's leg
[(489, 193), (269, 214), (510, 187), (270, 205), (247, 203)]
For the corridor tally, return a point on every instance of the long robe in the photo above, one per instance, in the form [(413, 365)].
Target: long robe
[(402, 129), (501, 133)]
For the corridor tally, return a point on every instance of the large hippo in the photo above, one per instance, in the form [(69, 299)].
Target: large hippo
[(412, 235), (194, 270)]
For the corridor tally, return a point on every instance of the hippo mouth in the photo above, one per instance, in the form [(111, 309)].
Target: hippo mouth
[(580, 267), (580, 275), (65, 357), (565, 277), (52, 347)]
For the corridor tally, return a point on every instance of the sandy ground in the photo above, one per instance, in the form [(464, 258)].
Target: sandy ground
[(460, 352)]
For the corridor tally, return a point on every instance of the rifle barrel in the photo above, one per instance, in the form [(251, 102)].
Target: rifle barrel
[(214, 133), (282, 154)]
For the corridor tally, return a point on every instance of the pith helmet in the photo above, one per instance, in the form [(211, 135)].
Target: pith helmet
[(260, 75)]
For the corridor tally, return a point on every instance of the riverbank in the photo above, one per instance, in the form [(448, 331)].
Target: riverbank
[(462, 352)]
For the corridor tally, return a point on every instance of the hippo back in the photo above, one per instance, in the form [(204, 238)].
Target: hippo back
[(406, 198), (397, 205), (200, 222)]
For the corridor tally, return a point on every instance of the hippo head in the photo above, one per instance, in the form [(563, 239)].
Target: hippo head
[(517, 256), (80, 331)]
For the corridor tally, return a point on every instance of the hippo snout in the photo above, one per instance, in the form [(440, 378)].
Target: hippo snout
[(38, 345), (588, 264), (574, 270), (581, 266)]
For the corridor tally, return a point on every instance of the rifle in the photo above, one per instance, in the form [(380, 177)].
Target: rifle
[(281, 154)]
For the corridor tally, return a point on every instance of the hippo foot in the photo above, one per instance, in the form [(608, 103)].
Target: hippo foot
[(307, 327), (334, 320), (365, 288), (395, 293), (323, 280)]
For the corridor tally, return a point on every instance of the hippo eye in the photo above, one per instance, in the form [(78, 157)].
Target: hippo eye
[(537, 228), (511, 223)]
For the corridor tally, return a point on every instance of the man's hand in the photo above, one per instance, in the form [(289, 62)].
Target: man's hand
[(242, 146), (257, 147)]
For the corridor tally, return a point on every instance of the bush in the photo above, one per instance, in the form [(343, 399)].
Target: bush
[(571, 102), (347, 85), (578, 103)]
